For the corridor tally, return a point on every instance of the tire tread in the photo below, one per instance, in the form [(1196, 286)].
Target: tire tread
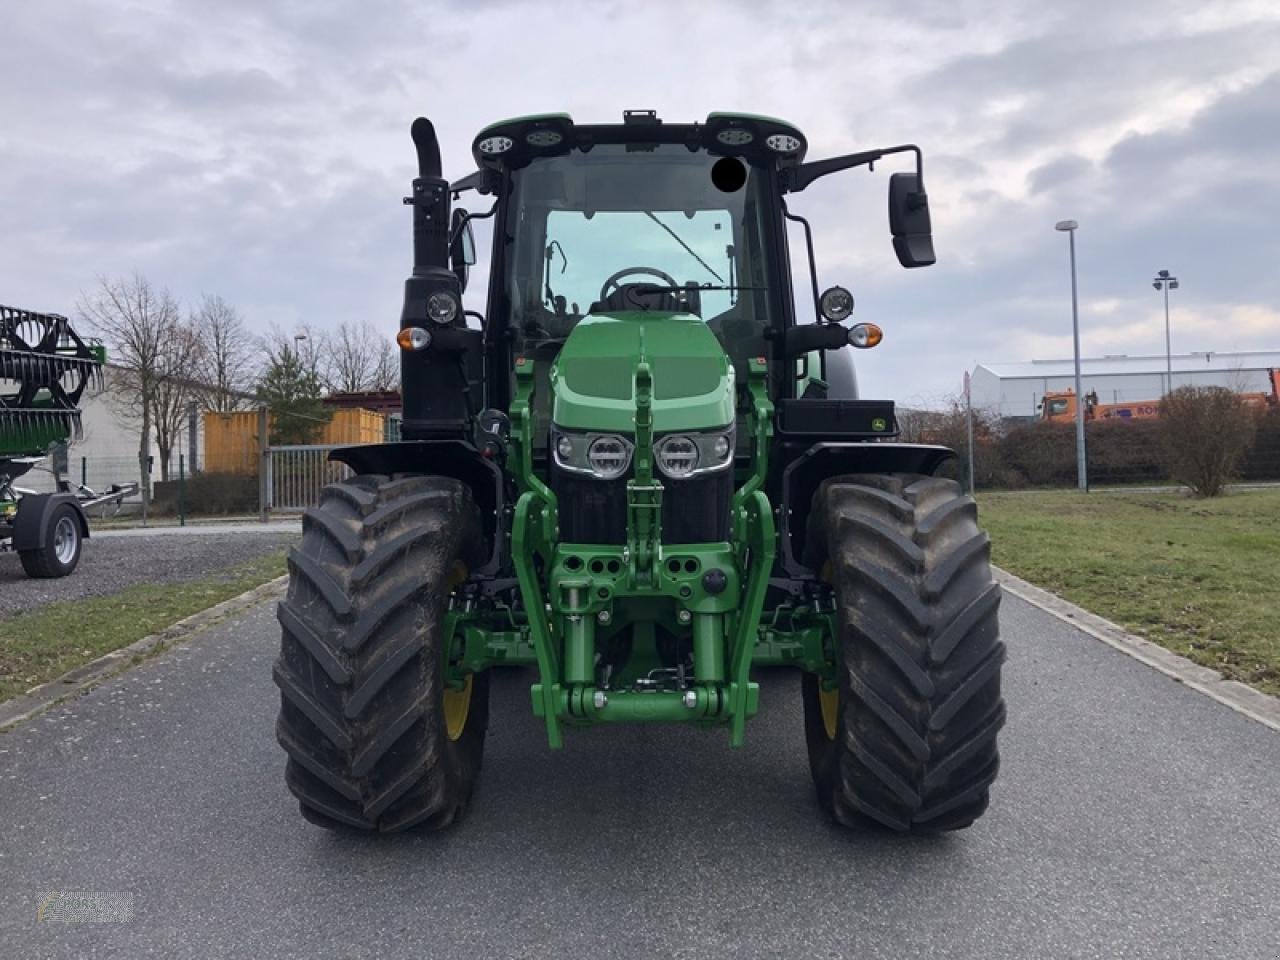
[(919, 653), (360, 666)]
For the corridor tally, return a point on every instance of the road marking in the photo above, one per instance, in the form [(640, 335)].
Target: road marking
[(1243, 699)]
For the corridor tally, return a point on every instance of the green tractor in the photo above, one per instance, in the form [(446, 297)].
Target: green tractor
[(642, 474)]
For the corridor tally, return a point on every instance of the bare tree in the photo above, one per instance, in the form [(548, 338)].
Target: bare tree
[(308, 348), (386, 372), (356, 358), (1206, 431), (181, 360), (137, 321), (913, 424), (228, 355)]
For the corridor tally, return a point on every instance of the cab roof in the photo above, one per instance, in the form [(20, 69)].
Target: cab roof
[(510, 144)]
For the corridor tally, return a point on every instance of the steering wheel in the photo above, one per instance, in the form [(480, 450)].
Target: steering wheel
[(627, 271)]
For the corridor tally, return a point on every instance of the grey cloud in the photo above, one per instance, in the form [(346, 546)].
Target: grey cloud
[(1245, 124), (1057, 172), (260, 150)]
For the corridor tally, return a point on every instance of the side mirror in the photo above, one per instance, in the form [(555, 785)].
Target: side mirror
[(909, 221), (462, 249)]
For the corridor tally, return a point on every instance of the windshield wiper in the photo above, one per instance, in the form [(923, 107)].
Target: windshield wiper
[(676, 237), (551, 252), (694, 286)]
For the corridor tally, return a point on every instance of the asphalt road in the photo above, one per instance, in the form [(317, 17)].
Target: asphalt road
[(1133, 818), (113, 560)]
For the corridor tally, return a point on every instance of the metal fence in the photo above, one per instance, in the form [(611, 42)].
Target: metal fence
[(98, 473), (296, 475)]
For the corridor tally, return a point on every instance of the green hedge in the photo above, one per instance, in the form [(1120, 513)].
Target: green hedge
[(209, 494)]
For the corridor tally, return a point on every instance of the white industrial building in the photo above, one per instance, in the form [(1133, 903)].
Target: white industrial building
[(1016, 389)]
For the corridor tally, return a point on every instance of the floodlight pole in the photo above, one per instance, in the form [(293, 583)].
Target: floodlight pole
[(1082, 469), (1163, 281), (968, 419)]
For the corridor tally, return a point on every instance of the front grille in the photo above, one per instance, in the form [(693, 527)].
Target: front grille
[(697, 510), (595, 511), (591, 510)]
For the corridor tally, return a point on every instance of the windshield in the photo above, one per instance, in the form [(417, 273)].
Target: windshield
[(624, 229)]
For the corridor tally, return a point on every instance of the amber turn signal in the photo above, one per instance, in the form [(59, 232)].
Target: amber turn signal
[(414, 338), (864, 336)]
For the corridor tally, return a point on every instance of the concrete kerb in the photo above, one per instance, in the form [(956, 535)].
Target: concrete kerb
[(77, 681), (1254, 704)]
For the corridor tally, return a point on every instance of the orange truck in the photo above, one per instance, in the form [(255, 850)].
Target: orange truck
[(1060, 406), (1261, 401)]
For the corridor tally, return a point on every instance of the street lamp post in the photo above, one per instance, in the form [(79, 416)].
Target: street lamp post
[(1166, 283), (1082, 470)]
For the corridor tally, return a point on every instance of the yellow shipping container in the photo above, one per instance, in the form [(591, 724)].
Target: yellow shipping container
[(231, 442), (354, 426), (231, 439)]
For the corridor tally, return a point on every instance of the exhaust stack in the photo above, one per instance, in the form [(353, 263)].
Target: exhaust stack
[(430, 202)]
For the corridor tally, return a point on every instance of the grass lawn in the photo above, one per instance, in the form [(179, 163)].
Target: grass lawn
[(1201, 577), (43, 644)]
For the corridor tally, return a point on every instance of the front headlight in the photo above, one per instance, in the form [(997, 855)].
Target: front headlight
[(609, 457), (442, 308), (677, 456), (681, 455), (605, 456)]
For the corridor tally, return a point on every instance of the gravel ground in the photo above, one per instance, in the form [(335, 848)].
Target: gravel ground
[(111, 563)]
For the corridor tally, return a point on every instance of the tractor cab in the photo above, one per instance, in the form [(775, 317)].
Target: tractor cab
[(637, 220)]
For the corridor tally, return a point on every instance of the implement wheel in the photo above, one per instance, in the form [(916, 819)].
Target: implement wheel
[(906, 737), (60, 544), (376, 738)]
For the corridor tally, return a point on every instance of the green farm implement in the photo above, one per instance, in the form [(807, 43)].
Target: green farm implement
[(45, 368), (643, 471)]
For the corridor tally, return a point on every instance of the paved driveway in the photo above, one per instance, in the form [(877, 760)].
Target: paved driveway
[(113, 560), (1133, 818)]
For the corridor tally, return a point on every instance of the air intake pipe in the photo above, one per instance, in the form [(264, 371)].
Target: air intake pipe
[(436, 382)]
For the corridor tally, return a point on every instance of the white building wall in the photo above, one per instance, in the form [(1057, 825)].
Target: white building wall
[(107, 450), (1014, 390)]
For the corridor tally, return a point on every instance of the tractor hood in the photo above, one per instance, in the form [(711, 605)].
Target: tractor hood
[(593, 378)]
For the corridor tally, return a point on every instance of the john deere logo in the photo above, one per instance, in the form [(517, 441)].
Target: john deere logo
[(879, 425)]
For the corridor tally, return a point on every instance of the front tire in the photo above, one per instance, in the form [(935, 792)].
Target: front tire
[(376, 741), (907, 739)]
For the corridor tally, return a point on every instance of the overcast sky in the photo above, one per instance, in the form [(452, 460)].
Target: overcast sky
[(259, 151)]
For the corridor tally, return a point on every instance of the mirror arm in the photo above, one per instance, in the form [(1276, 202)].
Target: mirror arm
[(484, 181), (467, 217), (795, 179), (813, 267)]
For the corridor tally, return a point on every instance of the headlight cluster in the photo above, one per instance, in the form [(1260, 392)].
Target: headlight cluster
[(603, 455), (680, 455), (608, 456)]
